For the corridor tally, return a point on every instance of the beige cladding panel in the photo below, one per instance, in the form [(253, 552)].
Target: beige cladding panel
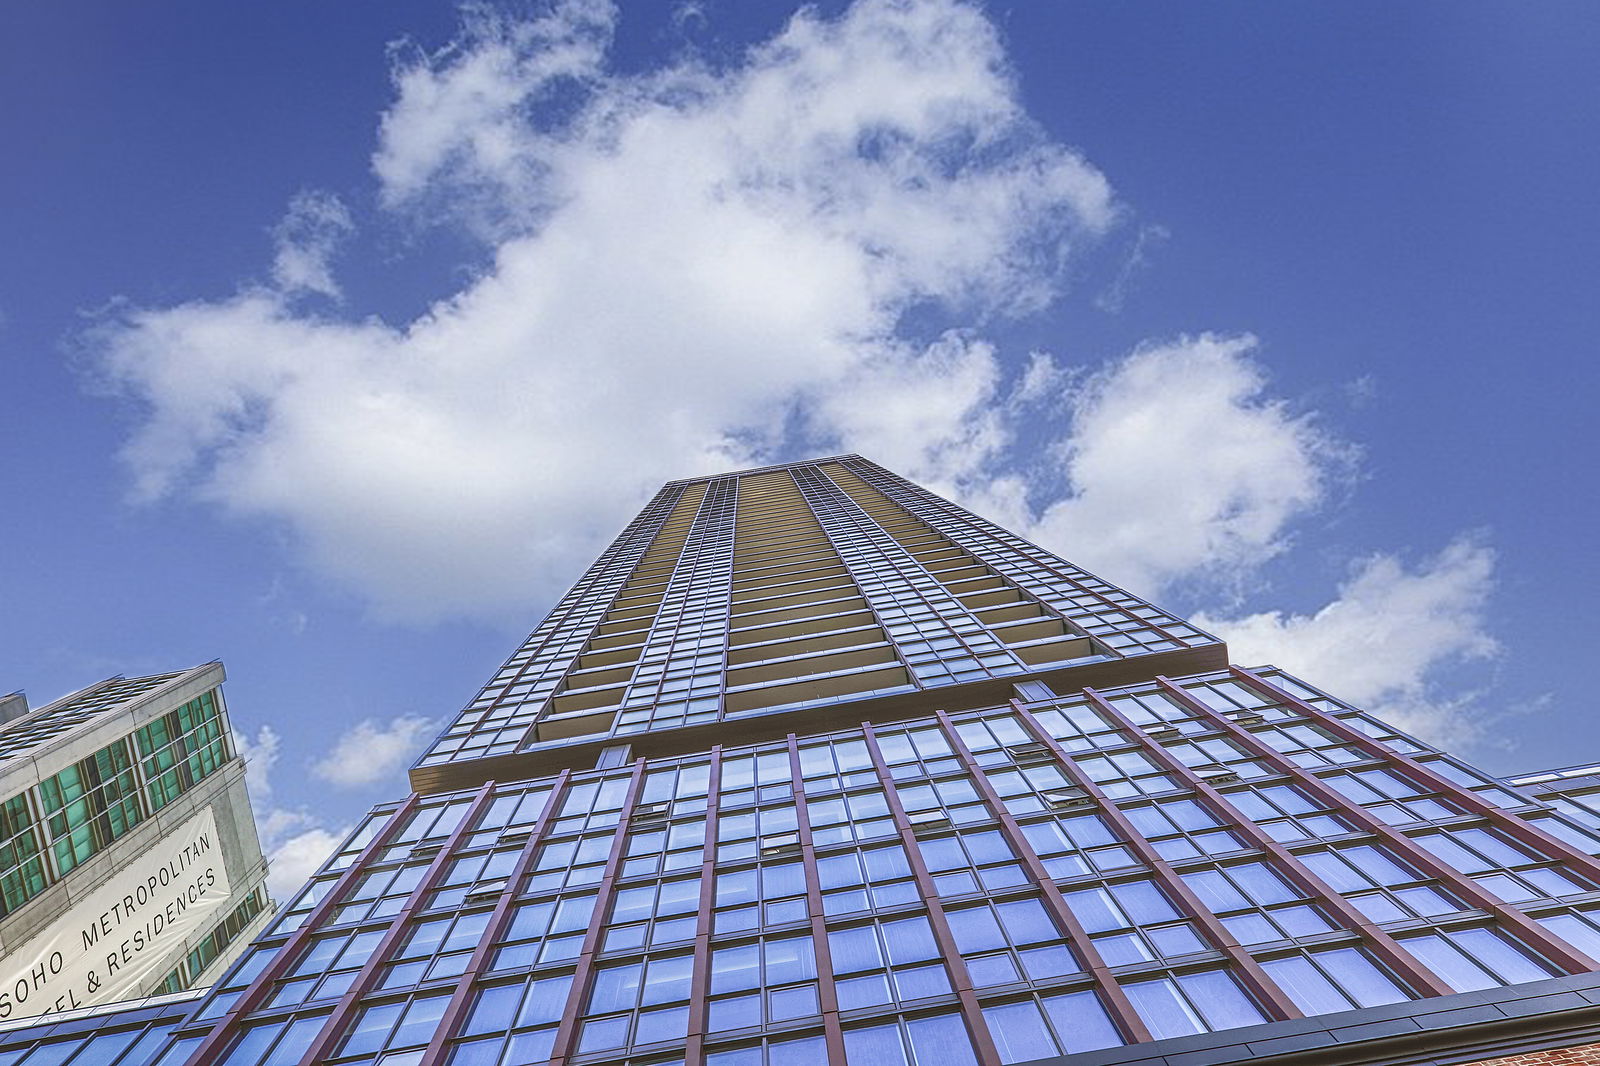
[(618, 640), (801, 628), (1036, 634)]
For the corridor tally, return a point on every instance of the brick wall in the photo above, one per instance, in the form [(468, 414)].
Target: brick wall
[(1588, 1055)]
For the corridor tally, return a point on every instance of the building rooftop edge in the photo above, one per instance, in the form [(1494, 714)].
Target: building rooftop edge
[(1466, 1027), (761, 469)]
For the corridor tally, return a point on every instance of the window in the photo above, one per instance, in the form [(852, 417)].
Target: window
[(1322, 982), (934, 1040), (391, 1026), (779, 1051), (1134, 922), (1511, 871), (653, 915), (1192, 1003), (513, 1022), (1050, 1025), (544, 932), (1480, 957), (865, 879), (886, 962), (1404, 892), (1011, 942), (968, 862), (22, 872), (1257, 905), (90, 804), (1074, 845), (640, 1002), (181, 748), (768, 981)]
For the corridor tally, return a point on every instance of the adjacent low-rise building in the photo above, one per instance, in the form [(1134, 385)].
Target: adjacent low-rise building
[(129, 861)]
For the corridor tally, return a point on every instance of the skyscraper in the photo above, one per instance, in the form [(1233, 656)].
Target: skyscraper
[(813, 766)]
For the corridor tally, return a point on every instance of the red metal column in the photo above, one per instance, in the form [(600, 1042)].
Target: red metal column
[(577, 997), (1116, 1000), (960, 980), (827, 993), (1534, 934), (700, 979), (462, 997), (1518, 827), (332, 1029), (223, 1032), (1382, 944), (1278, 1005)]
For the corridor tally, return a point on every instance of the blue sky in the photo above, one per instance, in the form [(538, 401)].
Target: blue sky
[(335, 340)]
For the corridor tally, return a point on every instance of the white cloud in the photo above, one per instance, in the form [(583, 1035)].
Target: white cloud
[(1384, 640), (293, 840), (929, 414), (292, 862), (465, 116), (260, 755), (369, 752), (310, 232), (691, 269), (1043, 380), (1180, 465), (707, 255)]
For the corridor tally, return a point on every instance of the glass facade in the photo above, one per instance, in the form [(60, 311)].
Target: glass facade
[(806, 586), (924, 831)]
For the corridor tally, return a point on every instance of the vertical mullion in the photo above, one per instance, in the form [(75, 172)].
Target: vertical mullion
[(700, 976), (210, 1049), (1116, 1000), (1382, 944), (850, 573), (579, 994), (955, 965), (1541, 939), (602, 569), (1277, 1003), (462, 997), (333, 1027), (980, 528), (827, 994), (1554, 846)]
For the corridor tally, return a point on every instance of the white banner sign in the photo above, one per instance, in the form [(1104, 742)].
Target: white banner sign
[(118, 939)]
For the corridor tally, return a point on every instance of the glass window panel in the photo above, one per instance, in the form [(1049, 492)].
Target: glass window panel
[(1144, 902), (1311, 991), (1220, 1000), (807, 1051), (1444, 959), (1051, 961), (878, 1046), (790, 959), (1096, 910), (868, 991), (910, 940), (1360, 977), (493, 1010), (941, 1040), (1165, 1012), (1576, 931), (1081, 1022), (975, 929), (1489, 947)]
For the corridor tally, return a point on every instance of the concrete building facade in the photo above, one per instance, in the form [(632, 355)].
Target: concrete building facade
[(129, 863)]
